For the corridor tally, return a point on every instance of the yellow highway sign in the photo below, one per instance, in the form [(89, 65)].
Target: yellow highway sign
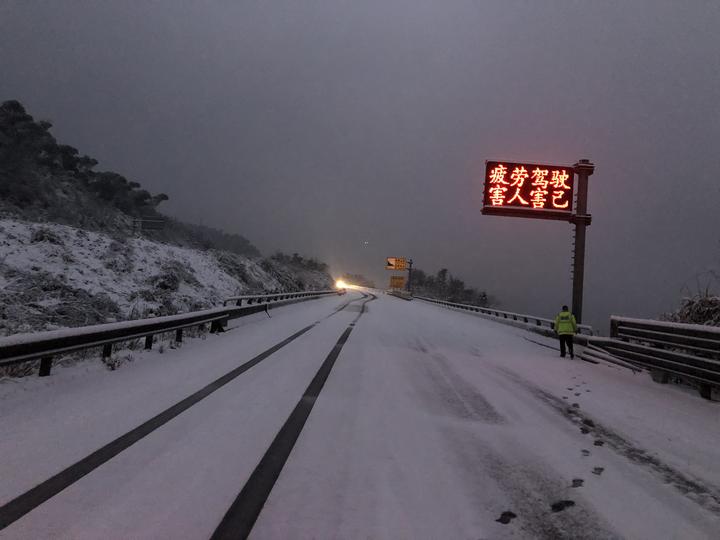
[(395, 263)]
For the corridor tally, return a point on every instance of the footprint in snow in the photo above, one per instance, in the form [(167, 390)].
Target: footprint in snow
[(577, 482), (565, 397), (506, 517), (589, 422), (576, 405), (599, 443), (584, 430), (577, 393), (561, 505), (598, 470), (585, 452)]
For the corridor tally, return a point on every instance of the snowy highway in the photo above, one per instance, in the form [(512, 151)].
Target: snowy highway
[(363, 416)]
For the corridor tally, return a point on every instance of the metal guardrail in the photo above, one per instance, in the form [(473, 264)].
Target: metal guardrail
[(403, 295), (686, 351), (530, 320), (45, 346), (278, 297)]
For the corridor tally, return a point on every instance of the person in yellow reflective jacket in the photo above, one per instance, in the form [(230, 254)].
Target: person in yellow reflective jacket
[(566, 328)]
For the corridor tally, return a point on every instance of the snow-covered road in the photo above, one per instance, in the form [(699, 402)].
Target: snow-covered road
[(431, 424)]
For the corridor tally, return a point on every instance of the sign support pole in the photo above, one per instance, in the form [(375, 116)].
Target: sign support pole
[(409, 281), (581, 219)]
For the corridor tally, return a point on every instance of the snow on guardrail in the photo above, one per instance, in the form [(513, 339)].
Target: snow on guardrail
[(531, 321), (278, 297), (28, 347)]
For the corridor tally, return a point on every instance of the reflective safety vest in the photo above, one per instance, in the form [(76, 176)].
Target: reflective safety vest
[(565, 323)]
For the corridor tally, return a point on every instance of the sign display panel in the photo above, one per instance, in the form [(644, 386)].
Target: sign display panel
[(528, 190), (395, 263), (397, 282)]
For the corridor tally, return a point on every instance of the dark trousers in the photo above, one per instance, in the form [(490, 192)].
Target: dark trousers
[(566, 339)]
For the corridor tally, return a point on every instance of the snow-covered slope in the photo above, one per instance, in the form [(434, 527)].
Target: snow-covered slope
[(54, 275)]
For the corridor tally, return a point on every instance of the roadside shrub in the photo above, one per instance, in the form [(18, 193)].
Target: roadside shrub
[(700, 309), (44, 234)]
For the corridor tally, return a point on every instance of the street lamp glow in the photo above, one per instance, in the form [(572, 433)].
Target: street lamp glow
[(340, 284)]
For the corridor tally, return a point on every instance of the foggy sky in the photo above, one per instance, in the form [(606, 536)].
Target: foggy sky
[(314, 126)]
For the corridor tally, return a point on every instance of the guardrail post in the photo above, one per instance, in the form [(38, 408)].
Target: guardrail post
[(614, 328), (107, 351), (238, 303), (45, 366), (178, 335), (217, 326), (148, 342)]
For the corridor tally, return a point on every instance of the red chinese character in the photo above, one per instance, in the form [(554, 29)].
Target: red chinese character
[(497, 195), (539, 177), (497, 175), (517, 196), (518, 176), (559, 195), (559, 178), (538, 197)]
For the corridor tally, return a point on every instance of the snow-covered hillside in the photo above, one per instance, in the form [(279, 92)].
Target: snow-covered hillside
[(54, 276)]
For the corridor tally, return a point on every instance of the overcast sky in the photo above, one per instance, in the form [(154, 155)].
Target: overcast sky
[(314, 126)]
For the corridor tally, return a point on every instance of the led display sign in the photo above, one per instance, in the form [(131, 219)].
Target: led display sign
[(528, 190)]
